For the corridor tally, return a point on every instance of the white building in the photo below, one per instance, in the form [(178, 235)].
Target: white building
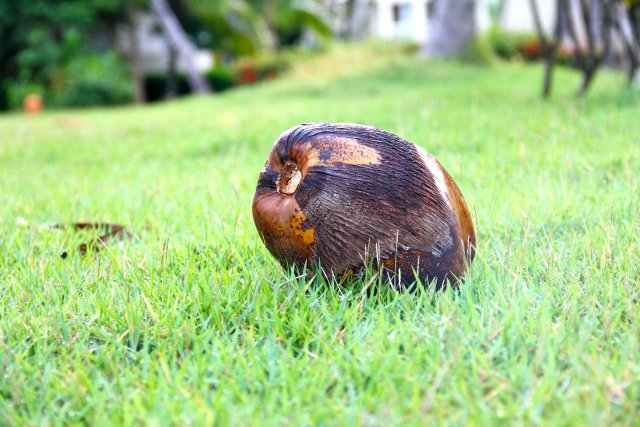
[(409, 19)]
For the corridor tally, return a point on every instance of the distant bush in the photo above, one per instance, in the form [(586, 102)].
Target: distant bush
[(511, 46), (89, 80), (252, 70), (17, 92), (526, 47), (410, 47), (221, 78), (155, 86), (479, 51), (86, 80)]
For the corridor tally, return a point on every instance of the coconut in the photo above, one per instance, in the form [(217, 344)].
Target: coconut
[(343, 197)]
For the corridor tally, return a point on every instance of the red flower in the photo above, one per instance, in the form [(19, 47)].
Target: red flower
[(248, 75), (532, 49)]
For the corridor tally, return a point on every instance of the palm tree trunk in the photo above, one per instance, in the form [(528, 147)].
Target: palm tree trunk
[(135, 59), (183, 46), (454, 25), (270, 14), (172, 75)]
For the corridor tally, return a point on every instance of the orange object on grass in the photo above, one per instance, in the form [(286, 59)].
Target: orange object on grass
[(33, 103)]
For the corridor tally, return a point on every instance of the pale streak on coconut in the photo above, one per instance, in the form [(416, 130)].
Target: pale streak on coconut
[(452, 195), (435, 169)]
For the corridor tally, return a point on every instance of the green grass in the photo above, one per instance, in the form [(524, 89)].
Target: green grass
[(192, 322)]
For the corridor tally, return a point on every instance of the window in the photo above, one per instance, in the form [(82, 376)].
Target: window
[(401, 12), (431, 8)]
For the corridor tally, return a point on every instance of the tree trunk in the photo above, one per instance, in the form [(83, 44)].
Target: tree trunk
[(548, 46), (172, 74), (183, 46), (135, 59), (623, 25), (452, 27), (348, 29), (634, 18), (270, 15)]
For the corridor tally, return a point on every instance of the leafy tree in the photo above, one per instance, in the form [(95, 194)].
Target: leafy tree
[(233, 26), (39, 37), (250, 26), (287, 19)]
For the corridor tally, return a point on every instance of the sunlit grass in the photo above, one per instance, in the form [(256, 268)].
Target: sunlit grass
[(192, 321)]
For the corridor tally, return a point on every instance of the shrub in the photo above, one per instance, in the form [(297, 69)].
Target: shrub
[(220, 79), (156, 86), (531, 50), (18, 91), (252, 70), (511, 46), (89, 80), (248, 74), (478, 51)]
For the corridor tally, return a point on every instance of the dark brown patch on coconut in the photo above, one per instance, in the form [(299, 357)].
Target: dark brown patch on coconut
[(436, 267), (358, 194)]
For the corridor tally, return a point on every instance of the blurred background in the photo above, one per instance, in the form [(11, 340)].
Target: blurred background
[(77, 53)]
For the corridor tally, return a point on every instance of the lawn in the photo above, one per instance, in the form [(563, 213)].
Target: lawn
[(193, 322)]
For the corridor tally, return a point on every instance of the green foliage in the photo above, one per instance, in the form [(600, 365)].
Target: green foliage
[(511, 46), (245, 27), (293, 17), (233, 26), (409, 47), (263, 66), (40, 38), (220, 78), (93, 80), (17, 91), (44, 41), (85, 80), (479, 51), (156, 86), (193, 323)]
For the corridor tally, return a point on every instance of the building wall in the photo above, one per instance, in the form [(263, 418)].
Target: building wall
[(517, 16), (400, 19), (409, 19)]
